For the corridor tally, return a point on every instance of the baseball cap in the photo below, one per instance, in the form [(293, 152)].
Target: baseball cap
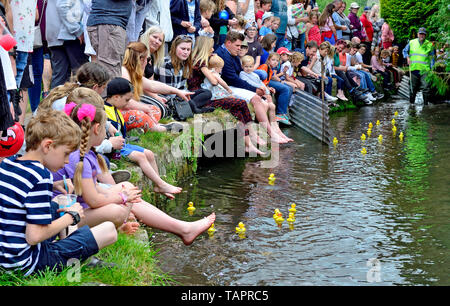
[(244, 43), (283, 50), (367, 8), (266, 15), (250, 25), (422, 31), (118, 86)]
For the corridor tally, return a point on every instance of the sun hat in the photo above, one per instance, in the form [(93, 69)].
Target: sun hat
[(250, 25), (118, 86), (354, 5), (284, 50), (266, 15)]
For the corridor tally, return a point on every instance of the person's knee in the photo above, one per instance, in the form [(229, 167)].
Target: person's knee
[(109, 232), (149, 155), (119, 214)]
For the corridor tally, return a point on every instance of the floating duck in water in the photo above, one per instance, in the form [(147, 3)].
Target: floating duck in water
[(272, 179), (400, 136), (276, 212), (279, 220), (370, 125), (191, 208), (393, 121), (363, 137), (369, 132), (240, 229), (380, 138), (394, 129), (363, 151), (335, 141), (378, 122), (211, 230), (292, 209), (395, 114)]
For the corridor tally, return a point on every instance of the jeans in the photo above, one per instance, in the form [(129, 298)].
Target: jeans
[(340, 81), (34, 92), (366, 81), (283, 95), (280, 41), (21, 63)]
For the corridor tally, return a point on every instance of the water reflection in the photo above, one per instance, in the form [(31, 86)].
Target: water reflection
[(389, 206)]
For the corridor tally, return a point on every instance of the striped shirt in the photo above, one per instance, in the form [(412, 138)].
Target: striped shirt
[(166, 74), (25, 196)]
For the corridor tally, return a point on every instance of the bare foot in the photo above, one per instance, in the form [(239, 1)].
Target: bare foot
[(193, 229), (167, 190), (258, 140), (277, 139), (129, 228), (253, 149)]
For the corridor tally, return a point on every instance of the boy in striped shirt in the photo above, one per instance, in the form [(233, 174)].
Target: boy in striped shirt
[(28, 217)]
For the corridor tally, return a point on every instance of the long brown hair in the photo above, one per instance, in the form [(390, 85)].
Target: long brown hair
[(327, 12), (132, 63), (177, 64)]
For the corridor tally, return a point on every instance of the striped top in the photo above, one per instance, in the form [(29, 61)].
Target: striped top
[(25, 196)]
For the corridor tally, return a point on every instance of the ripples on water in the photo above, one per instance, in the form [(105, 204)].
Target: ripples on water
[(391, 204)]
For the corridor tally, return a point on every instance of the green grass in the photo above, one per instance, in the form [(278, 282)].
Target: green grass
[(136, 266)]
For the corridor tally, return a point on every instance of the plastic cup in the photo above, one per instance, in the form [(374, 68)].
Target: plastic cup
[(7, 41), (65, 200)]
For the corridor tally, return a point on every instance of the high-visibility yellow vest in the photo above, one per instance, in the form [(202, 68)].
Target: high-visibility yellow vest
[(419, 55)]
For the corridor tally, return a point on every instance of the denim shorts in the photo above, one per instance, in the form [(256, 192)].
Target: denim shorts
[(127, 149), (79, 245)]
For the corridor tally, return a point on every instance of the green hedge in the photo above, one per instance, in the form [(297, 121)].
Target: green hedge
[(406, 16)]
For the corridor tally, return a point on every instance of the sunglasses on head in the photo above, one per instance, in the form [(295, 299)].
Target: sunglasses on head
[(185, 37)]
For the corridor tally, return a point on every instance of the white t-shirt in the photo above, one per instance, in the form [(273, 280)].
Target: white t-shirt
[(290, 69), (7, 70), (250, 15)]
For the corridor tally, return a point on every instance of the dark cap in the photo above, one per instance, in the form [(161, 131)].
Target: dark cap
[(422, 31), (118, 86), (367, 8)]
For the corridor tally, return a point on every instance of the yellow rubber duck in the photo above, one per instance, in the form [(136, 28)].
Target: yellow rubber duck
[(400, 136), (394, 129), (395, 114), (292, 209), (363, 151), (370, 125), (335, 141), (291, 218), (191, 208), (363, 137), (369, 132), (272, 178), (240, 229), (393, 121), (276, 212), (279, 220), (378, 122), (380, 138), (211, 230)]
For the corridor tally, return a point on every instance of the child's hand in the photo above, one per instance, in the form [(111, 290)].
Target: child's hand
[(191, 29), (117, 142), (133, 194), (76, 207), (272, 90), (205, 22), (261, 91), (59, 186)]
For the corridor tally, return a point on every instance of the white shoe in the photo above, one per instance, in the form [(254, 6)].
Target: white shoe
[(330, 98), (370, 97)]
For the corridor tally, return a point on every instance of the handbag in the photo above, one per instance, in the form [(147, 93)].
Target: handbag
[(181, 110), (166, 112), (37, 43)]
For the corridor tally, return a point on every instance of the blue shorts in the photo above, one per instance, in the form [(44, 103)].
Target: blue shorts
[(79, 245), (128, 148)]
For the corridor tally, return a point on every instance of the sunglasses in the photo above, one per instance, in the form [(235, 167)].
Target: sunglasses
[(185, 37)]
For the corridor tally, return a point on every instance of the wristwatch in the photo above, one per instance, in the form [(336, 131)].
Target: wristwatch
[(75, 216)]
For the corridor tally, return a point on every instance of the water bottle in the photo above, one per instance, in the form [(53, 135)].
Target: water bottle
[(116, 153)]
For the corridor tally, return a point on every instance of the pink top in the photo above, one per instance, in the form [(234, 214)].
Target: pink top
[(386, 33), (314, 34), (327, 26), (376, 64)]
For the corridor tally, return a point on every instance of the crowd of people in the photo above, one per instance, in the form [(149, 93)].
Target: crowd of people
[(95, 69)]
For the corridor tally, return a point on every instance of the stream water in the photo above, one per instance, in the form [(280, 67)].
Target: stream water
[(380, 218)]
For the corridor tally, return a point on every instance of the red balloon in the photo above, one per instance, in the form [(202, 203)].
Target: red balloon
[(13, 141)]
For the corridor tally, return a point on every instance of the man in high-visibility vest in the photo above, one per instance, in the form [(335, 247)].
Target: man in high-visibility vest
[(419, 53)]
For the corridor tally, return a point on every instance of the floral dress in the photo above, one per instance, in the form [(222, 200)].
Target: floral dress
[(24, 13)]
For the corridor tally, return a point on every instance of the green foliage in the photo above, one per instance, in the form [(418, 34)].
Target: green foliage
[(406, 16)]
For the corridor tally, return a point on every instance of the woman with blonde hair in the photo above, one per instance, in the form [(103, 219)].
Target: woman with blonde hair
[(136, 113), (153, 39)]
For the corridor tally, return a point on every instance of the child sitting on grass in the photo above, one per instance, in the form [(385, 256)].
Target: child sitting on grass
[(119, 92), (29, 219), (114, 202)]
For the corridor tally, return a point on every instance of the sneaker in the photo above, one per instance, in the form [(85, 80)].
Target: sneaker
[(282, 119), (120, 176), (378, 96), (368, 102), (370, 96), (97, 263), (174, 126), (329, 98)]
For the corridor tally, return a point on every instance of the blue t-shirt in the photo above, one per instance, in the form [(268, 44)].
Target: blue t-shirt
[(115, 12), (264, 57), (265, 30), (279, 9), (25, 196)]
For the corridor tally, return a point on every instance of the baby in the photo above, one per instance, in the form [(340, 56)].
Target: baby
[(248, 75)]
